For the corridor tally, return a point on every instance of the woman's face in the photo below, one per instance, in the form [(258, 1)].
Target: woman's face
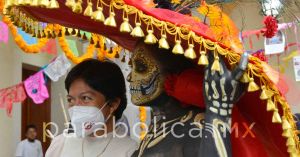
[(80, 94)]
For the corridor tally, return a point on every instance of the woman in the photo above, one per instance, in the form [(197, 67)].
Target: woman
[(97, 98)]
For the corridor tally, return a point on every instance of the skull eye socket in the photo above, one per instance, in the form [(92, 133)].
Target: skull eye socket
[(140, 66)]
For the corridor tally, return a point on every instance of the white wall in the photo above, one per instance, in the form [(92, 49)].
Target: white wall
[(6, 123), (11, 59)]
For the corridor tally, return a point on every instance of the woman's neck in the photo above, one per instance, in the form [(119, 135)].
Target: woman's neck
[(109, 127)]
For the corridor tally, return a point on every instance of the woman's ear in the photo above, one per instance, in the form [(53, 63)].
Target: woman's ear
[(114, 104)]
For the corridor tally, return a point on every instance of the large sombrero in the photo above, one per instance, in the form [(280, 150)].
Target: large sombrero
[(127, 21)]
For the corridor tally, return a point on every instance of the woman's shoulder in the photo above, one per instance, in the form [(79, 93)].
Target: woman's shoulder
[(58, 139), (56, 146), (126, 145), (126, 141)]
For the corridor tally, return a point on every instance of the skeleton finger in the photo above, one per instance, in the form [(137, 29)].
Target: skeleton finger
[(240, 69)]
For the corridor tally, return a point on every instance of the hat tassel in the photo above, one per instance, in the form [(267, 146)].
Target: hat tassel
[(245, 78), (252, 86), (35, 3), (44, 3), (264, 95), (111, 21), (203, 58), (276, 117), (270, 105), (125, 26), (69, 3), (150, 38), (77, 8), (216, 64), (190, 52), (163, 43), (53, 4), (89, 10), (137, 31), (177, 49), (98, 15)]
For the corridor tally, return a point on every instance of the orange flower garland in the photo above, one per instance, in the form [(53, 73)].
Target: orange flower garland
[(143, 118), (66, 49), (1, 7), (34, 48), (102, 53)]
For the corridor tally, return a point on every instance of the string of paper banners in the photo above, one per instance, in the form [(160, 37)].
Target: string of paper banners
[(35, 86)]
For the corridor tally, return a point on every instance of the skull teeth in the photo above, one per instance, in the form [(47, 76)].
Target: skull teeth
[(145, 89), (134, 90)]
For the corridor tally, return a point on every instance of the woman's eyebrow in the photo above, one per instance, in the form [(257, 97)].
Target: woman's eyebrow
[(87, 92), (69, 96)]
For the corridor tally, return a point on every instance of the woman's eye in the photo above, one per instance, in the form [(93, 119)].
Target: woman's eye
[(69, 100), (86, 98)]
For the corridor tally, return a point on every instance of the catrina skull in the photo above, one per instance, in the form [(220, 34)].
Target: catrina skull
[(146, 80)]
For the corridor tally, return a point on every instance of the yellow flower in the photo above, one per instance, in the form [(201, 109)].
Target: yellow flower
[(176, 1), (34, 48)]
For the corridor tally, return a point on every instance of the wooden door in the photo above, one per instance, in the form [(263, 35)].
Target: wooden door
[(36, 114)]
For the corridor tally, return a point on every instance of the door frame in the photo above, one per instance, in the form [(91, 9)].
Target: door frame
[(24, 111)]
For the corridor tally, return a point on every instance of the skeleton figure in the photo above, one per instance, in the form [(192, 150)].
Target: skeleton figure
[(177, 131)]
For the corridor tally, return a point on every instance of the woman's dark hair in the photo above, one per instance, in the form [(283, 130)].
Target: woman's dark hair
[(103, 76)]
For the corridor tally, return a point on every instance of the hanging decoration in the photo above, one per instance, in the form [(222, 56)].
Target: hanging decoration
[(36, 88), (10, 95), (275, 45), (57, 68), (73, 46), (26, 37), (271, 27), (58, 31), (35, 48), (3, 32), (111, 53), (35, 85), (68, 52), (281, 26), (50, 47), (296, 61), (287, 59)]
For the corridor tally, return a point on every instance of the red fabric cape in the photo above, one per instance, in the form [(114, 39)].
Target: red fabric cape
[(266, 139)]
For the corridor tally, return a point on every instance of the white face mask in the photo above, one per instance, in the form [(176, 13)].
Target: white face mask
[(86, 119)]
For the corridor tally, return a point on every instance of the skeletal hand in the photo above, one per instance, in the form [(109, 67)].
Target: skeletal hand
[(223, 88)]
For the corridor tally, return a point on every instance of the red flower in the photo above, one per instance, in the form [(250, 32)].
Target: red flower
[(271, 27), (260, 54)]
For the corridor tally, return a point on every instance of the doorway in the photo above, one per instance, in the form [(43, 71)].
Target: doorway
[(35, 114)]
